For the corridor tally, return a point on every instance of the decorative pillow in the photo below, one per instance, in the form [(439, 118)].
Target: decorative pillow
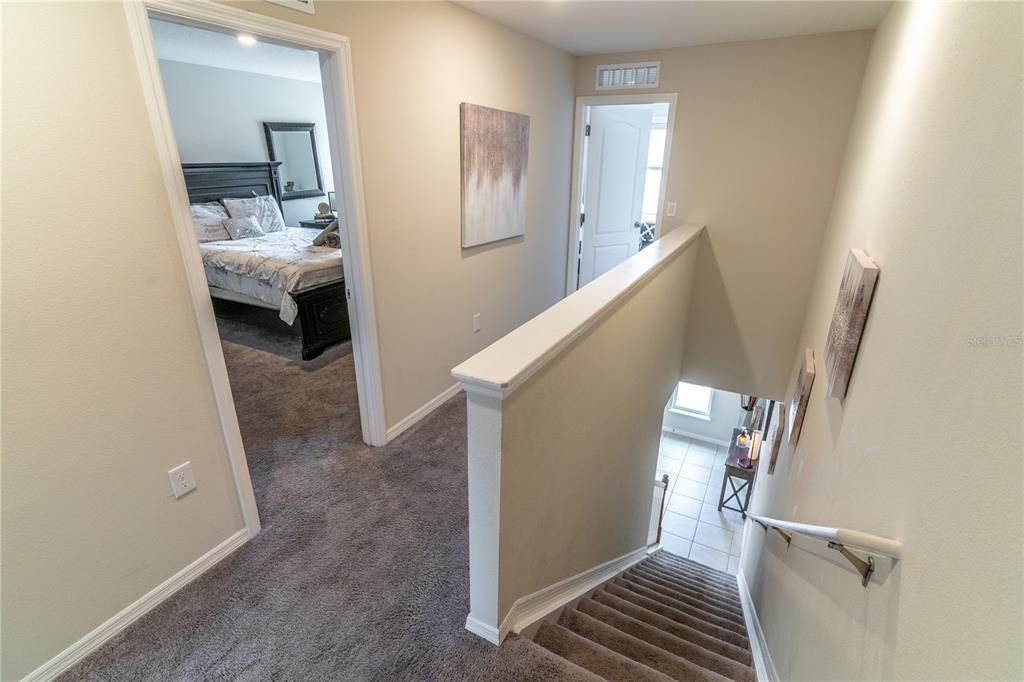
[(241, 228), (207, 220), (264, 209)]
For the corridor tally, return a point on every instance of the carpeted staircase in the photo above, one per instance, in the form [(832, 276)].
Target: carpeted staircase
[(666, 618)]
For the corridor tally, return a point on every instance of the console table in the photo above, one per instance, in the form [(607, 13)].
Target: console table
[(736, 471)]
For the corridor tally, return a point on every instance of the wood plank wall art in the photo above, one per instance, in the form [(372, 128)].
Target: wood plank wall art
[(798, 405), (495, 149), (848, 319), (774, 442)]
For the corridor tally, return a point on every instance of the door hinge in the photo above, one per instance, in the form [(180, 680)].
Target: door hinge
[(586, 131), (348, 293), (583, 217)]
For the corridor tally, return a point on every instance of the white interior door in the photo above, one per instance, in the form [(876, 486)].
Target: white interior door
[(613, 186)]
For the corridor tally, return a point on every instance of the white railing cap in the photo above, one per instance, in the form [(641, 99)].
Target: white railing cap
[(504, 365)]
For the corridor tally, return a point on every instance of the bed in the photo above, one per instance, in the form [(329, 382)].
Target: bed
[(282, 270)]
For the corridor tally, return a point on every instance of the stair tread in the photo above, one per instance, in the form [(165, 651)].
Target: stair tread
[(677, 616), (721, 609), (682, 606), (674, 628), (689, 582), (693, 567), (689, 651), (594, 657), (694, 576), (634, 648)]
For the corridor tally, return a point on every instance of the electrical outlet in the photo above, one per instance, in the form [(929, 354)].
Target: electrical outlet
[(182, 479), (670, 209), (476, 323)]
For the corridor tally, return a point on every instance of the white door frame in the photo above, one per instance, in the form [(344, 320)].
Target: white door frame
[(577, 167), (339, 95)]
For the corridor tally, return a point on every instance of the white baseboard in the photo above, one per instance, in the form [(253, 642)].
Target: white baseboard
[(482, 629), (86, 645), (531, 608), (690, 434), (763, 665), (421, 412)]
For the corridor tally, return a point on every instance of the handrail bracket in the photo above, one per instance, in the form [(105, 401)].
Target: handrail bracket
[(785, 536), (865, 568)]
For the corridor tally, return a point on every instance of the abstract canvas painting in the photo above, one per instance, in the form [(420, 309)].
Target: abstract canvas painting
[(798, 406), (848, 319), (495, 147)]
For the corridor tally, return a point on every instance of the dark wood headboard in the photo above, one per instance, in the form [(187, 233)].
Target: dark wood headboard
[(216, 181)]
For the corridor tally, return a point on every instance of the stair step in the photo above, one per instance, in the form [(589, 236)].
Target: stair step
[(683, 580), (636, 649), (694, 577), (693, 568), (593, 657), (681, 617), (660, 639), (706, 600), (674, 628), (695, 611)]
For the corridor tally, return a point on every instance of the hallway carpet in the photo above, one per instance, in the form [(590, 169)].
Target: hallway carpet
[(361, 570)]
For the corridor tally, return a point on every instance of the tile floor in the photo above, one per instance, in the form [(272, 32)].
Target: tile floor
[(693, 527)]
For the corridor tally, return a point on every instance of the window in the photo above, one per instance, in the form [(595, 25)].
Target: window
[(652, 183), (692, 400)]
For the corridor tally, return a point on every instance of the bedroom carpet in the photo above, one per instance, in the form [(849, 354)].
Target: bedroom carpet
[(361, 570)]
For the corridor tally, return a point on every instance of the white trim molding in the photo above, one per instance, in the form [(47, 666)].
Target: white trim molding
[(691, 434), (763, 665), (423, 411), (582, 103), (483, 630), (136, 610), (531, 608)]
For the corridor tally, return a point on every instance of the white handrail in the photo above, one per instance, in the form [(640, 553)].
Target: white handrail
[(853, 539)]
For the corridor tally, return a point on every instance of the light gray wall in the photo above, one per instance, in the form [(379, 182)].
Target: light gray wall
[(726, 414), (218, 116), (756, 148), (925, 448)]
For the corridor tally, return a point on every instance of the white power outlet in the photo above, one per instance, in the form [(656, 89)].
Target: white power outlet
[(182, 479), (670, 209), (476, 323)]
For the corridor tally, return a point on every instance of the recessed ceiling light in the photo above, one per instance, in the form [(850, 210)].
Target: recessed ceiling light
[(246, 39)]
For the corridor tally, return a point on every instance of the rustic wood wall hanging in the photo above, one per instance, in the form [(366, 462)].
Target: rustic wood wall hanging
[(848, 319), (798, 405)]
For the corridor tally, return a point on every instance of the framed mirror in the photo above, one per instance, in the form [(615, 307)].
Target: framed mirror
[(294, 145)]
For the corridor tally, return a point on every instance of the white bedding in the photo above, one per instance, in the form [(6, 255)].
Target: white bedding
[(272, 266)]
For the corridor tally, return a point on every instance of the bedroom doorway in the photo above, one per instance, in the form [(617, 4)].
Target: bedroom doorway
[(620, 171), (261, 190)]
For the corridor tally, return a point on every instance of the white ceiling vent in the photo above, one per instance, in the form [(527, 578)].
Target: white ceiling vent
[(628, 76)]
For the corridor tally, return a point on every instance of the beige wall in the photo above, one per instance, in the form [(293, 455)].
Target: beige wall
[(759, 135), (100, 400), (579, 440), (413, 64), (926, 446), (104, 380)]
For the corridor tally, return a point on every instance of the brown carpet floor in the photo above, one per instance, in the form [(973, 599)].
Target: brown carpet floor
[(361, 570)]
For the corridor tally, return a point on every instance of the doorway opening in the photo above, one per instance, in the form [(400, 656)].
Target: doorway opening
[(623, 146), (711, 470), (301, 158)]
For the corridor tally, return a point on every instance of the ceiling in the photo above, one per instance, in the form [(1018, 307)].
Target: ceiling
[(584, 28), (180, 43)]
